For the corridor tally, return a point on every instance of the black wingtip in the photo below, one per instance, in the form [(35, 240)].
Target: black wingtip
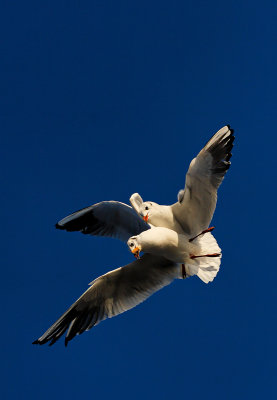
[(229, 155), (232, 131), (57, 226), (36, 342)]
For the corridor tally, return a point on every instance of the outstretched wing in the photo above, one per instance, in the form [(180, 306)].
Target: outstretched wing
[(108, 218), (112, 294), (196, 203)]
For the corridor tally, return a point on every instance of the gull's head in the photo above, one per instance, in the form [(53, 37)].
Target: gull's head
[(134, 246), (146, 210)]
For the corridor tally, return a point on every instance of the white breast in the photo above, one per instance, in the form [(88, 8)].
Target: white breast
[(167, 243)]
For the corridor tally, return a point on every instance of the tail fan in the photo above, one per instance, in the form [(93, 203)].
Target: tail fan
[(206, 268)]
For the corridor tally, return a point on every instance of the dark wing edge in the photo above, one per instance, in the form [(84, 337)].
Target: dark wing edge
[(108, 218), (220, 147), (112, 294)]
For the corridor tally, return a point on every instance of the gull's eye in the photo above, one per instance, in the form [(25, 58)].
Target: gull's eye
[(132, 244), (146, 208)]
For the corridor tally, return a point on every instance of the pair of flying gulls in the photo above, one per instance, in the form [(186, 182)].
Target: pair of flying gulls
[(176, 241)]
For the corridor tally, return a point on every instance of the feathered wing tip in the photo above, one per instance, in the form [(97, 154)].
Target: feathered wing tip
[(82, 220), (220, 147), (77, 319), (206, 268)]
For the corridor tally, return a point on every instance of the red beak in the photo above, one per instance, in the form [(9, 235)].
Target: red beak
[(145, 218)]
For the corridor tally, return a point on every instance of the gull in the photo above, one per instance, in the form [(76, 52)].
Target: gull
[(199, 255), (123, 288)]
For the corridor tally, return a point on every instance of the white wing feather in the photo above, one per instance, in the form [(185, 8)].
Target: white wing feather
[(112, 294), (196, 204)]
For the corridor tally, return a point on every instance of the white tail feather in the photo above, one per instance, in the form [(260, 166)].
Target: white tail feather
[(206, 268)]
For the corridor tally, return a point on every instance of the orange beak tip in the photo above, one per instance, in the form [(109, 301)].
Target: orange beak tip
[(136, 252)]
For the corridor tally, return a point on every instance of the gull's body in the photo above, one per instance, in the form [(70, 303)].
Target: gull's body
[(123, 288), (167, 243), (180, 248)]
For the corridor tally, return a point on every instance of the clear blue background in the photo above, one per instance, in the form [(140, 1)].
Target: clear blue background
[(101, 99)]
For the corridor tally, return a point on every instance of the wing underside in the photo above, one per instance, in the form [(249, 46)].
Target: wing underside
[(108, 218), (112, 294), (196, 203)]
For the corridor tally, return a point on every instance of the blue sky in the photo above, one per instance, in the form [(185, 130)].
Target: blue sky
[(101, 99)]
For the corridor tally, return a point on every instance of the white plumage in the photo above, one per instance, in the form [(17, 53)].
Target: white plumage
[(201, 256)]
